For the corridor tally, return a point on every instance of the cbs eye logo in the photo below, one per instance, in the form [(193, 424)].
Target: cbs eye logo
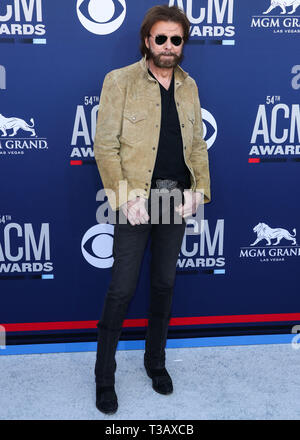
[(97, 245), (101, 17), (210, 128)]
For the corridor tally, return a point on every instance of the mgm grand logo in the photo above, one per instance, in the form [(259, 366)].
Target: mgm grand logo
[(280, 19), (17, 136), (271, 244)]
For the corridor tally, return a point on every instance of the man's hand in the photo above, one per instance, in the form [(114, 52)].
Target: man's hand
[(135, 211), (192, 199)]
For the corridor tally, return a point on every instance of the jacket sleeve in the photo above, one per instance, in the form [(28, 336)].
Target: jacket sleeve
[(106, 143), (199, 155)]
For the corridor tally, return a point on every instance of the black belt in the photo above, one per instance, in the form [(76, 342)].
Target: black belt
[(166, 184)]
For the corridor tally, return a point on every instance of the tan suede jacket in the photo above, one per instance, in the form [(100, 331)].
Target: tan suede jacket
[(128, 128)]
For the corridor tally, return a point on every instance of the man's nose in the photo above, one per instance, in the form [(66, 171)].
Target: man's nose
[(168, 44)]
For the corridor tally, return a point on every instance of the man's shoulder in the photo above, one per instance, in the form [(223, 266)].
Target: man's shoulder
[(185, 76), (190, 81), (123, 74)]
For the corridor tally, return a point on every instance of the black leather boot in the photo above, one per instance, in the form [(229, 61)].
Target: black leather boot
[(161, 380), (106, 399)]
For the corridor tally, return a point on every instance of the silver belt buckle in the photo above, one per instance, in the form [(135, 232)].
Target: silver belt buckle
[(166, 185)]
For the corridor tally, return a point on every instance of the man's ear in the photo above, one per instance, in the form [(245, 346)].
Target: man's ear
[(147, 42)]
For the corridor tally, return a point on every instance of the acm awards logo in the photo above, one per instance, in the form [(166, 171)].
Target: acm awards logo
[(101, 17), (271, 244), (202, 246), (208, 18), (24, 247), (282, 20), (11, 128), (22, 18), (276, 130), (84, 129)]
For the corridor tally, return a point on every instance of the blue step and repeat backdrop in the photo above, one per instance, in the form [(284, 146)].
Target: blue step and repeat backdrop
[(241, 274)]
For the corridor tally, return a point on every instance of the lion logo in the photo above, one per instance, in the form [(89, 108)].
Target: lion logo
[(264, 232), (283, 4), (15, 124)]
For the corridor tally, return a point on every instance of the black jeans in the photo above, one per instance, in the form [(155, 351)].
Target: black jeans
[(128, 250)]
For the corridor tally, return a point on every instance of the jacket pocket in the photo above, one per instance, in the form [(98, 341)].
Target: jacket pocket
[(134, 126)]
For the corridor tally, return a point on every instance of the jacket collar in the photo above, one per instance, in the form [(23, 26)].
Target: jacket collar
[(179, 74)]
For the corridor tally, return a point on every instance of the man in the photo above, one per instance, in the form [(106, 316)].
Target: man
[(148, 138)]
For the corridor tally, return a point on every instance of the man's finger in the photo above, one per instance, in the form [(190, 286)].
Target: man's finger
[(145, 218), (131, 218), (183, 209), (187, 213)]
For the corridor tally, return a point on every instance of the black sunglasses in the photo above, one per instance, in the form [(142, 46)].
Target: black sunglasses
[(161, 39)]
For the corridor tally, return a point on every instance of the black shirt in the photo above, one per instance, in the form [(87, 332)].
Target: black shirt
[(170, 162)]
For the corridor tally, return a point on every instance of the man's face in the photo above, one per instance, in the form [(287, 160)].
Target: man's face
[(166, 55)]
